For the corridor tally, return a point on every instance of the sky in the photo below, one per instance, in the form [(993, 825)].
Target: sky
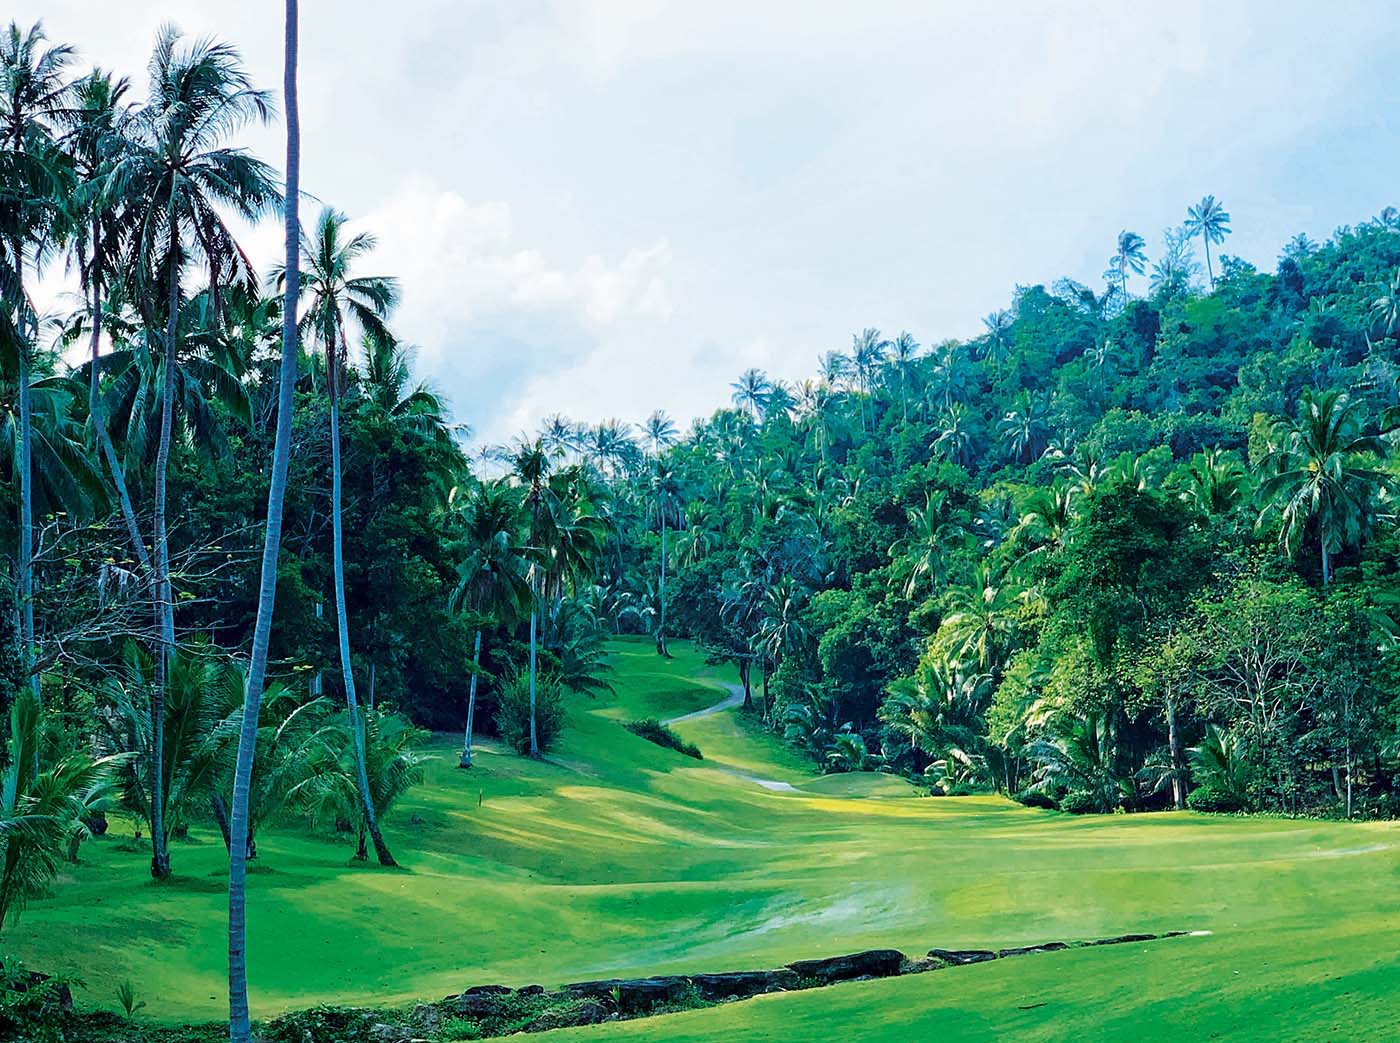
[(605, 208)]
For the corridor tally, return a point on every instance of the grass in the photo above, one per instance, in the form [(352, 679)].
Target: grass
[(618, 857)]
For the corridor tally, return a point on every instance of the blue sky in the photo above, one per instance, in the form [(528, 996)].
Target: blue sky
[(605, 208)]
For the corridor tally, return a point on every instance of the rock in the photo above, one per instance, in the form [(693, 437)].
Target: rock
[(428, 1017), (531, 990), (740, 985), (579, 1012), (382, 1033), (1026, 950), (961, 957), (480, 1001), (634, 995), (919, 966), (1123, 938), (873, 963)]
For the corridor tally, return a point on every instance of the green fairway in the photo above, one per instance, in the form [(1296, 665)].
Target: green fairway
[(618, 857)]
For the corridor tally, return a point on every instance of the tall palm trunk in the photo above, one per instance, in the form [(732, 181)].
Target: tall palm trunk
[(1174, 753), (466, 761), (163, 603), (26, 491), (1326, 560), (239, 1027), (534, 736), (1210, 272), (105, 446), (347, 671), (661, 595)]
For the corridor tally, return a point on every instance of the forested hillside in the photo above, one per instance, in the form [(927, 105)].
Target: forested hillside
[(1125, 548)]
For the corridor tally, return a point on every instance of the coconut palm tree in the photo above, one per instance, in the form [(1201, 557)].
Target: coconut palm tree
[(868, 353), (493, 579), (42, 809), (530, 466), (998, 327), (178, 179), (1211, 222), (1317, 474), (660, 431), (667, 491), (93, 128), (240, 1026), (33, 92), (923, 551), (1385, 309), (1216, 483), (904, 352), (1129, 256), (751, 391), (1023, 428), (335, 297)]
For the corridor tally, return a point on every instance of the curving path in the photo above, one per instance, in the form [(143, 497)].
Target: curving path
[(732, 701)]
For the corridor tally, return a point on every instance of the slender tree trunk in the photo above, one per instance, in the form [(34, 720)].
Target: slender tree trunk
[(164, 604), (1209, 270), (347, 670), (26, 494), (466, 761), (661, 596), (107, 450), (1326, 561), (744, 674), (1350, 774), (534, 737), (240, 1028), (1174, 751)]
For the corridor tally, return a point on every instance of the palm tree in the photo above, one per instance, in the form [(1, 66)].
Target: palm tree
[(1080, 754), (42, 811), (336, 297), (93, 125), (531, 465), (178, 179), (1211, 222), (1317, 475), (981, 619), (1216, 483), (904, 352), (751, 391), (667, 489), (33, 92), (493, 580), (868, 351), (240, 1027), (998, 325), (1024, 426), (660, 431), (1130, 256), (1385, 309), (953, 436), (931, 538)]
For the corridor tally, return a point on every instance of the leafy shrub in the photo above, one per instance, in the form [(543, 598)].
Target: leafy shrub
[(321, 1025), (513, 715), (1209, 798), (653, 730), (1079, 802), (1034, 798), (32, 1007)]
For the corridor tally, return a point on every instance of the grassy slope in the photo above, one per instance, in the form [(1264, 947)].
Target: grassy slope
[(619, 857)]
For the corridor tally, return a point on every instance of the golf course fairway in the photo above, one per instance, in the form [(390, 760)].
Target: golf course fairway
[(616, 857)]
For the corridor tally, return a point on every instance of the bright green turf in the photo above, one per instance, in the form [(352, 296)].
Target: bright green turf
[(619, 857)]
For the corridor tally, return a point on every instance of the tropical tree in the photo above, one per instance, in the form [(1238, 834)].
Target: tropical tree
[(667, 492), (923, 552), (33, 92), (493, 579), (42, 809), (336, 297), (868, 353), (660, 431), (1080, 754), (178, 180), (1211, 222), (240, 1025), (1318, 473), (93, 126), (751, 392), (904, 352), (1129, 256)]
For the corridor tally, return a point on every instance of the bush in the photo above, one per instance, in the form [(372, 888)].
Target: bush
[(1079, 802), (1208, 798), (1034, 798), (32, 1006), (653, 730), (513, 715)]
